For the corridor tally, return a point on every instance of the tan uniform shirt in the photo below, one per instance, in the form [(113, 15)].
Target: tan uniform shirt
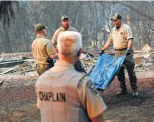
[(42, 48), (63, 97), (120, 37), (61, 29)]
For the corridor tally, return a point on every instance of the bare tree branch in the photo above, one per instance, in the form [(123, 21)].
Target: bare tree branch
[(137, 11)]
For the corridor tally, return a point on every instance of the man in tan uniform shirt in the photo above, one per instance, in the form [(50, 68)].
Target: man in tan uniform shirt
[(122, 39), (65, 95), (42, 50), (66, 27)]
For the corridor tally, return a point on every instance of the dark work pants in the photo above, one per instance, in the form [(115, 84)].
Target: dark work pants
[(129, 65), (78, 67)]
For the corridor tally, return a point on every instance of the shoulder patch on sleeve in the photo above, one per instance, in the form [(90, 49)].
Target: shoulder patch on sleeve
[(126, 26), (93, 90), (46, 41)]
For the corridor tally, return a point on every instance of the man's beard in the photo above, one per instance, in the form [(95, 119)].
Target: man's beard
[(65, 27), (118, 26), (45, 35)]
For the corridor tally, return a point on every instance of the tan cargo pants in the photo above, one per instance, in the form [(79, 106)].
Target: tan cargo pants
[(41, 68)]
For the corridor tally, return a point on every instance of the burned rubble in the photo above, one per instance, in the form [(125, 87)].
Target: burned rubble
[(21, 67)]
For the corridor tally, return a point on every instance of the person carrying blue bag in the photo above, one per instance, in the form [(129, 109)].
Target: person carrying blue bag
[(122, 39)]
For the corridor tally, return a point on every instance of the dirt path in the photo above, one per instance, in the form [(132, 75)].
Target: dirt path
[(17, 104)]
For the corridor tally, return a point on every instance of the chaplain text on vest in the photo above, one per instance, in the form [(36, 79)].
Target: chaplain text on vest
[(55, 97)]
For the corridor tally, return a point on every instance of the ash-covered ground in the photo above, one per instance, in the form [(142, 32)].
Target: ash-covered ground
[(18, 99)]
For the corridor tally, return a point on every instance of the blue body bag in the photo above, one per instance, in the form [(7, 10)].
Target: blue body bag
[(105, 70)]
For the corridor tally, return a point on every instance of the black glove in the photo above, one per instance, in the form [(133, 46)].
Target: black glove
[(50, 61), (128, 52), (102, 52)]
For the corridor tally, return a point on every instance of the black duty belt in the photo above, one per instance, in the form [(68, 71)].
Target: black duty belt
[(121, 49), (49, 61)]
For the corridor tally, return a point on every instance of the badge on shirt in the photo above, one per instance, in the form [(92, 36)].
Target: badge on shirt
[(93, 90), (121, 33)]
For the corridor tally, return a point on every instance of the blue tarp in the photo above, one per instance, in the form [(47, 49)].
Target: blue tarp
[(105, 70)]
